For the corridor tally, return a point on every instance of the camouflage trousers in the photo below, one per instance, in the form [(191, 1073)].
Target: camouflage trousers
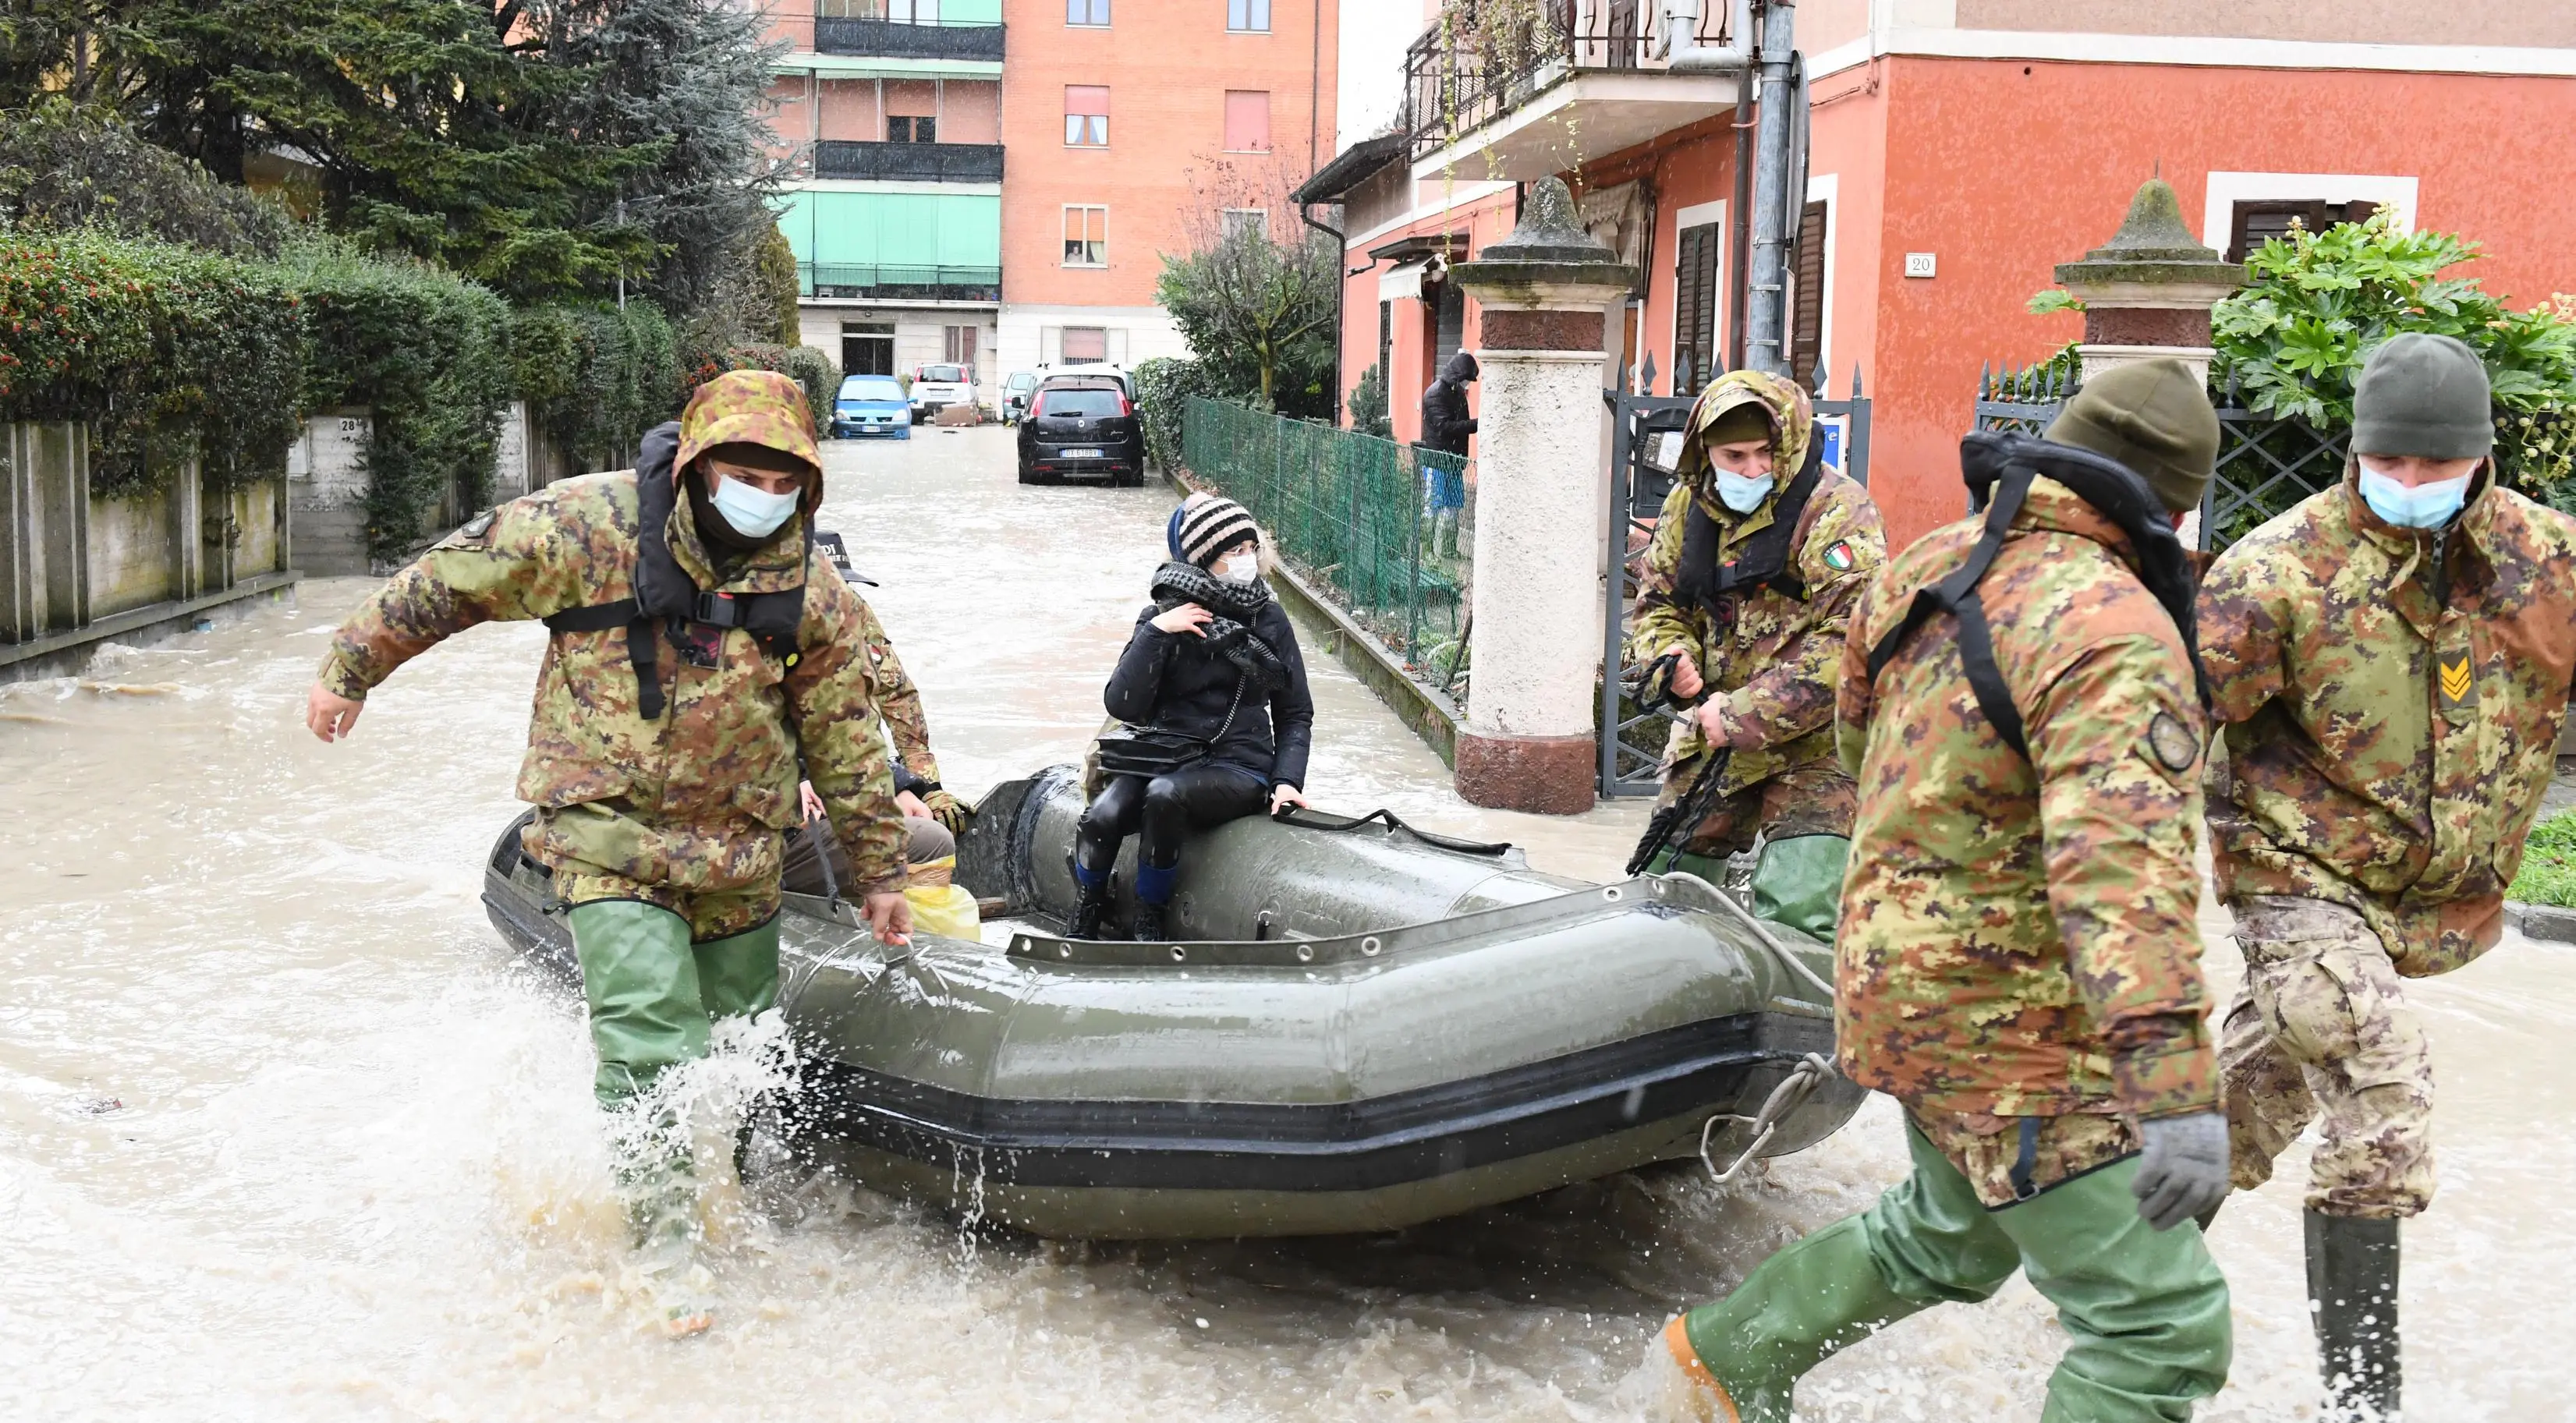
[(2321, 1029)]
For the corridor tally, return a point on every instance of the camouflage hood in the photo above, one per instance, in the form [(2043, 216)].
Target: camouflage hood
[(1792, 416), (752, 408)]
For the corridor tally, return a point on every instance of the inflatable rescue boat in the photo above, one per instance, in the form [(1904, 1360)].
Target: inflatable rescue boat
[(1362, 1027)]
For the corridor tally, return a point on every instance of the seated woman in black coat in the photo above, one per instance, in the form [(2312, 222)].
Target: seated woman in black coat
[(1213, 680)]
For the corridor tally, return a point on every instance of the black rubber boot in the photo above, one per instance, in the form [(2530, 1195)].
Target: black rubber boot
[(1088, 909), (2352, 1294), (1149, 922)]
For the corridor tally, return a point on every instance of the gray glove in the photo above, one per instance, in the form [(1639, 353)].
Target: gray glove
[(2183, 1171)]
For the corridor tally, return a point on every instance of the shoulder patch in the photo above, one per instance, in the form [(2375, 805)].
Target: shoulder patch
[(2175, 747), (1839, 556)]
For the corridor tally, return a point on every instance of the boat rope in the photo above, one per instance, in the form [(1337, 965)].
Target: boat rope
[(1309, 819), (1762, 932), (1792, 1093)]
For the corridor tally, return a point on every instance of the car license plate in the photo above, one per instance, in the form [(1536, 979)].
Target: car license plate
[(1081, 454)]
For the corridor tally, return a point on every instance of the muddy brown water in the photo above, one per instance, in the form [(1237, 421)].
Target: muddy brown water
[(284, 1134)]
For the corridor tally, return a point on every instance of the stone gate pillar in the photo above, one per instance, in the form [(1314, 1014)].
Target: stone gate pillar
[(2147, 292), (1544, 293)]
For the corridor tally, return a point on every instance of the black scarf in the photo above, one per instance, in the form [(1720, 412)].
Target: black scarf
[(1235, 605)]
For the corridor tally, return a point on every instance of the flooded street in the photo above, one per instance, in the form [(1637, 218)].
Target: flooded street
[(284, 1133)]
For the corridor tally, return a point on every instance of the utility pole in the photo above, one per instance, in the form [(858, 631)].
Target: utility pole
[(1766, 314)]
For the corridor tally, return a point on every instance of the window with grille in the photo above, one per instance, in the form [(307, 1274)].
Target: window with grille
[(1807, 298), (1086, 12), (1086, 116), (2258, 221), (1086, 236), (1695, 290), (1247, 15), (1086, 343), (911, 128), (1253, 221), (1247, 121), (1386, 345)]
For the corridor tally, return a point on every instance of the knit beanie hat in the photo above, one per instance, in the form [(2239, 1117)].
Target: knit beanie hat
[(2424, 395), (1172, 530), (1212, 528), (2152, 416)]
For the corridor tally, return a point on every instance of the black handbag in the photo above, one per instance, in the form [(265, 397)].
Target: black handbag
[(1151, 751)]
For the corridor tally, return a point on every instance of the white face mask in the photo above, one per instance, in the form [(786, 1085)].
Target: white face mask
[(1242, 568), (753, 513)]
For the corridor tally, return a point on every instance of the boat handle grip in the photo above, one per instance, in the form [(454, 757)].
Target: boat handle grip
[(1805, 1078)]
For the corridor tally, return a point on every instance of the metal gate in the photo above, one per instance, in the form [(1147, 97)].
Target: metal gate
[(1646, 438)]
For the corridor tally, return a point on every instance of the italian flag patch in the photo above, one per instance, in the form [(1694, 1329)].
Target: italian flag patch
[(1838, 556)]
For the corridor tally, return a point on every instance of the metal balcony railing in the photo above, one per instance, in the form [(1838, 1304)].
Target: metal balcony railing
[(880, 282), (906, 39), (909, 162), (1475, 65)]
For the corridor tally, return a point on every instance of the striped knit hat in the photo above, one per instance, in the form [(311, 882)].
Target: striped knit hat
[(1212, 528)]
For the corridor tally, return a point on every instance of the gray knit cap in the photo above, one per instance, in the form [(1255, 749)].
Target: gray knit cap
[(1213, 527), (2424, 395)]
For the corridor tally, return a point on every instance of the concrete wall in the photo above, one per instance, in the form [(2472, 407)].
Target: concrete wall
[(326, 483), (76, 568)]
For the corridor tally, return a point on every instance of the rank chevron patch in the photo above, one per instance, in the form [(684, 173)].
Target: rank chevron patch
[(2458, 687)]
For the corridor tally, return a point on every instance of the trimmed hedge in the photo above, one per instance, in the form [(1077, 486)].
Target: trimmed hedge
[(1164, 385), (596, 377), (429, 353), (164, 349)]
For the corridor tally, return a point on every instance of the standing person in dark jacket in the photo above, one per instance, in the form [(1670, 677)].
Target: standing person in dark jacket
[(1214, 662), (1445, 428)]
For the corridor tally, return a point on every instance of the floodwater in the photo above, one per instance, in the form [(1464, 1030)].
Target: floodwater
[(285, 1135)]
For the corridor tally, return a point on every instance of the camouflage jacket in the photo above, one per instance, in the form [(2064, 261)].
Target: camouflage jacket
[(2387, 745), (898, 700), (1769, 658), (695, 798), (2019, 936)]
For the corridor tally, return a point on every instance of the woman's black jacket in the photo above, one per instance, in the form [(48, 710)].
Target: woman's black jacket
[(1172, 680)]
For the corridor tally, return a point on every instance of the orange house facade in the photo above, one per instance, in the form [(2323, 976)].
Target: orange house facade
[(1958, 152), (996, 182)]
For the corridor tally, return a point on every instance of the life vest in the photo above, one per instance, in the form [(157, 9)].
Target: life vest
[(1767, 560), (665, 593), (1998, 469)]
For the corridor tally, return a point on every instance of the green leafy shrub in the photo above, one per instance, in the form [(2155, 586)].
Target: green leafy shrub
[(595, 377), (65, 169), (429, 354), (2548, 874), (1368, 405), (2316, 304), (166, 351), (1164, 386), (817, 373)]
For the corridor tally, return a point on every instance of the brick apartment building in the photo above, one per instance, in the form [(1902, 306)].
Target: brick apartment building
[(995, 181), (1960, 149)]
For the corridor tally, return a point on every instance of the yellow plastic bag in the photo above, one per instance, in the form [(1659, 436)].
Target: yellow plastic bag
[(940, 905)]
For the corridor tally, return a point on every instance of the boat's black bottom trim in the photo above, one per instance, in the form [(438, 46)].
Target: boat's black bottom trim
[(1356, 1146)]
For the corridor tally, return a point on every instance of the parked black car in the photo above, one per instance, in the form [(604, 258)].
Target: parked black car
[(1083, 426)]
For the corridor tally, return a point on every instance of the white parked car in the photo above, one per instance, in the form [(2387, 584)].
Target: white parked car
[(936, 386), (1103, 369)]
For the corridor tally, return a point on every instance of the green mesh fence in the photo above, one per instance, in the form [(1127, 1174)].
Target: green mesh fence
[(1384, 530)]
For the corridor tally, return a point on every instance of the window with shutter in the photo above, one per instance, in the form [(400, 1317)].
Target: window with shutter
[(1807, 298), (2257, 221), (1247, 121), (1086, 115), (1086, 343), (1695, 308)]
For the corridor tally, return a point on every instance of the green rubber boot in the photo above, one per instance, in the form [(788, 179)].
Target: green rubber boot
[(1799, 882), (1795, 1310), (738, 977), (641, 979), (2352, 1295)]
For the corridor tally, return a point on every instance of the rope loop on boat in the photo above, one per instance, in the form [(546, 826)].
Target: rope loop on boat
[(1792, 1093), (1308, 819), (1761, 934)]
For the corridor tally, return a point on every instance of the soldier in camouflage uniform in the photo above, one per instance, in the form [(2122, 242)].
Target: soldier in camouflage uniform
[(663, 750), (2018, 962), (1757, 559), (2391, 661)]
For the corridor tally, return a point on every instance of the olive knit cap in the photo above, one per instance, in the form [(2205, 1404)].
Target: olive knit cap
[(2153, 416), (2424, 395)]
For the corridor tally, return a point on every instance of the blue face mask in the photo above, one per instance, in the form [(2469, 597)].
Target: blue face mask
[(753, 513), (1742, 493), (2425, 506)]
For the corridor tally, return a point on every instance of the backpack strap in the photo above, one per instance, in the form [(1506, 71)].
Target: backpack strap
[(1956, 595)]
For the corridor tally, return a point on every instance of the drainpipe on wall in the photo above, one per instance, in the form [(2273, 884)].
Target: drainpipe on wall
[(1681, 17), (1341, 299), (1774, 136)]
